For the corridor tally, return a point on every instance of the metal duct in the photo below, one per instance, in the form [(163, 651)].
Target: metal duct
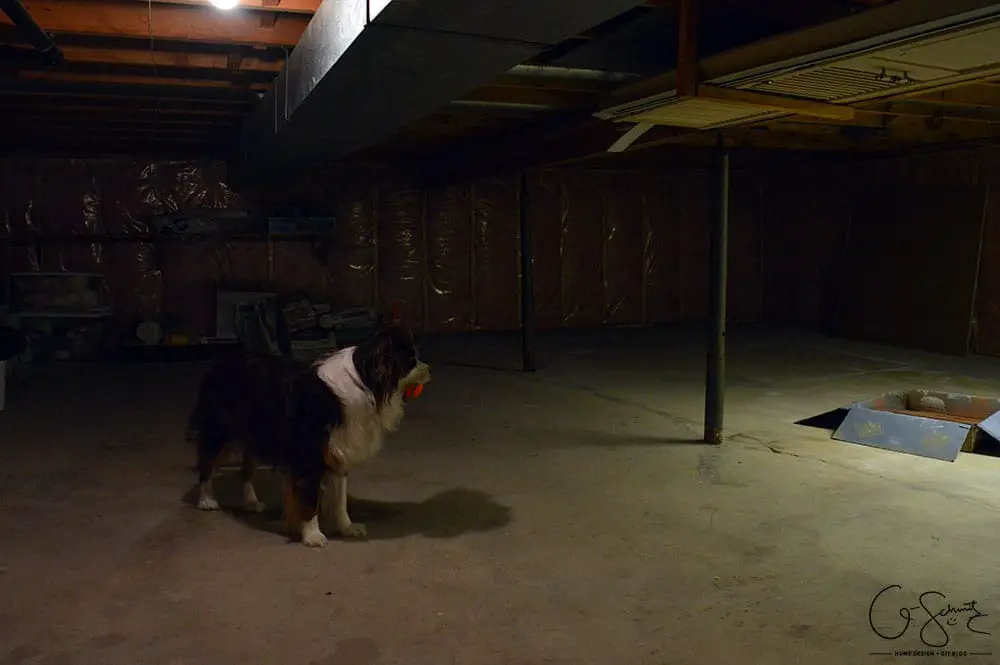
[(364, 69), (33, 32)]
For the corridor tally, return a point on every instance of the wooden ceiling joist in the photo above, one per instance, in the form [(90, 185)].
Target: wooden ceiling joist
[(106, 118), (85, 107), (967, 96), (150, 91), (165, 21), (121, 79), (278, 6), (158, 57), (159, 75), (57, 129)]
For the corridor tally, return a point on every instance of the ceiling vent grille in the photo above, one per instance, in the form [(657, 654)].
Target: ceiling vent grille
[(827, 84)]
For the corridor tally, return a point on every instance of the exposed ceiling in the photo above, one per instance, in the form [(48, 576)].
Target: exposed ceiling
[(179, 76)]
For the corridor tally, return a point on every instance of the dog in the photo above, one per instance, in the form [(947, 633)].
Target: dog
[(313, 422)]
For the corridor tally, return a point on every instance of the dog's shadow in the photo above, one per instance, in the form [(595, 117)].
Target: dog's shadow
[(447, 514)]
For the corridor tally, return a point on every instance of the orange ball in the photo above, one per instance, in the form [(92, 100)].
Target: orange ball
[(413, 390)]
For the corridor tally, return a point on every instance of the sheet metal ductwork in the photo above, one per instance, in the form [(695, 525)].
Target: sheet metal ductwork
[(364, 69), (37, 37)]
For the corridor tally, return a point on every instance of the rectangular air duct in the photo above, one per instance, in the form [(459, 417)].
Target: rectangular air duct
[(365, 69)]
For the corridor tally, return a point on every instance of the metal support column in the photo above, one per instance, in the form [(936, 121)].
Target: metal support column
[(527, 281), (715, 374)]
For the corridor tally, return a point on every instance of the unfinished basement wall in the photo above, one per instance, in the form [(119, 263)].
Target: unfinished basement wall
[(901, 251), (611, 248)]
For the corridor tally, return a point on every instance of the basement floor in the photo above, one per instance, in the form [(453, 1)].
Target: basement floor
[(563, 518)]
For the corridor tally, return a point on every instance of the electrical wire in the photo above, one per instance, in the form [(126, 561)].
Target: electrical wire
[(149, 31), (152, 58)]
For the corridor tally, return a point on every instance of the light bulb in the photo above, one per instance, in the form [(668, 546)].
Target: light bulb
[(224, 4)]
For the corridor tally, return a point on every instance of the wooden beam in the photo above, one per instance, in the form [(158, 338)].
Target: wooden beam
[(22, 89), (163, 58), (775, 141), (166, 149), (150, 74), (121, 79), (967, 96), (277, 6), (104, 118), (886, 112), (911, 131), (169, 21), (775, 102), (32, 103), (55, 130), (687, 49), (902, 110)]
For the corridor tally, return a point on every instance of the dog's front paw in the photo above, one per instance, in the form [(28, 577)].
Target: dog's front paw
[(353, 531), (314, 538), (254, 506), (208, 503)]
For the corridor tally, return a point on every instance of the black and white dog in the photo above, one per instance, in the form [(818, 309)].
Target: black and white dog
[(312, 422)]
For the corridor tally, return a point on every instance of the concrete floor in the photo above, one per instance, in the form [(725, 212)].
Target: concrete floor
[(563, 518)]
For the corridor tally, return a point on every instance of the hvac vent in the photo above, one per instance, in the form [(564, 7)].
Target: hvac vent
[(827, 84), (932, 59)]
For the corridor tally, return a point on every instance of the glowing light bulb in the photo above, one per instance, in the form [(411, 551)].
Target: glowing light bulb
[(224, 4)]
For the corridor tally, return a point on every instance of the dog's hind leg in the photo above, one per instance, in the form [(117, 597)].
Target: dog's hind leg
[(210, 444), (302, 494), (206, 469), (208, 459), (209, 436), (343, 520), (250, 501)]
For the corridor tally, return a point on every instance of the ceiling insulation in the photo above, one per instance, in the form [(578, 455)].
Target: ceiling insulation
[(962, 47)]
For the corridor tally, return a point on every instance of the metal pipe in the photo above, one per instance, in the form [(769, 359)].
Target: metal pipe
[(715, 374), (549, 71), (513, 107), (527, 281), (33, 32)]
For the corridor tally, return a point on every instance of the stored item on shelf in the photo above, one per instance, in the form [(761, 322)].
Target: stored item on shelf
[(59, 293), (298, 316)]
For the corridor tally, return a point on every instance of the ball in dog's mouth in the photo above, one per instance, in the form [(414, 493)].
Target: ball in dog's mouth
[(413, 391)]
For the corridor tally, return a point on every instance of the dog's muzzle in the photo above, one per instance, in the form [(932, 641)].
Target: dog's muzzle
[(420, 374)]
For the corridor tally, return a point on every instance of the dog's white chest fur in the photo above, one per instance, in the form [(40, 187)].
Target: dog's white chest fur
[(360, 436)]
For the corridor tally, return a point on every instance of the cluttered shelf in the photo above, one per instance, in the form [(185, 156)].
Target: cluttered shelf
[(90, 238), (209, 225), (70, 316)]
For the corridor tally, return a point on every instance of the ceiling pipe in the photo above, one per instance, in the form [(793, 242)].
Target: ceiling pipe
[(550, 71), (41, 40)]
